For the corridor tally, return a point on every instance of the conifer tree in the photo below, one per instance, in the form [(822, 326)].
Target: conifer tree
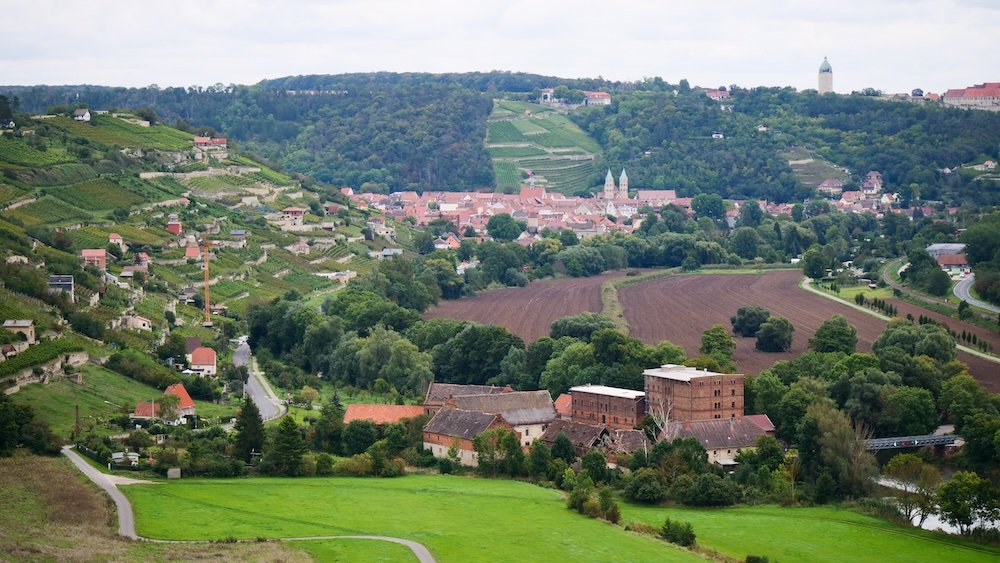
[(249, 431)]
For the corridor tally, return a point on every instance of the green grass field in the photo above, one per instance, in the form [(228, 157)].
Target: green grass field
[(96, 195), (355, 550), (47, 210), (102, 395), (816, 534), (116, 132), (457, 518), (18, 151)]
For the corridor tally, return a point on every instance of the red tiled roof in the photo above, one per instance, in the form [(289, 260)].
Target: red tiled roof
[(146, 410), (182, 394), (952, 260), (93, 253), (381, 414), (192, 252), (203, 356), (761, 420)]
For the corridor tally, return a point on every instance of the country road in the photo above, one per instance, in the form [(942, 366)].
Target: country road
[(962, 292), (260, 391), (126, 519)]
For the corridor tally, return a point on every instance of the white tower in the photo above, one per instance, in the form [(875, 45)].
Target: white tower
[(825, 77), (623, 185), (609, 186)]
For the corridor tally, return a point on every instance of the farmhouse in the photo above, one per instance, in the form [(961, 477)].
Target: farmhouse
[(456, 428), (21, 326), (117, 240), (615, 407), (722, 439), (381, 414), (439, 393), (528, 412), (596, 98), (203, 361), (583, 436), (717, 94), (682, 393), (831, 187), (97, 257), (82, 114), (293, 215), (174, 227), (185, 406)]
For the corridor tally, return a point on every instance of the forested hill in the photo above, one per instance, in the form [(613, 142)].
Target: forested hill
[(427, 131)]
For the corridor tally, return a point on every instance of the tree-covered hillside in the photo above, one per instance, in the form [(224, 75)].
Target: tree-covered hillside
[(427, 131)]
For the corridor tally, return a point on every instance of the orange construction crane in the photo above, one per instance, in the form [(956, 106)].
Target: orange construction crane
[(206, 245)]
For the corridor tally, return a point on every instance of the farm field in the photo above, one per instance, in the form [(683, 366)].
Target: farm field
[(117, 132), (529, 311), (680, 308), (819, 534), (457, 518), (51, 514), (95, 195), (17, 151), (47, 210)]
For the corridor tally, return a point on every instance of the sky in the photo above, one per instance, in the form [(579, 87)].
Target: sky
[(891, 45)]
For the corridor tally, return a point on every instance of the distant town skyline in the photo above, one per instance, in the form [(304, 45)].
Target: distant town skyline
[(891, 45)]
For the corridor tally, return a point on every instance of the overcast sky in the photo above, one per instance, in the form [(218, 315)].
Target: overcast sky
[(887, 44)]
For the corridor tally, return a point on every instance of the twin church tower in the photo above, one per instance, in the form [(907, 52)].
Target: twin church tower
[(610, 191)]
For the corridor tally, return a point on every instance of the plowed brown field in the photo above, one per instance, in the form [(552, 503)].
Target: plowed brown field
[(680, 308), (529, 311)]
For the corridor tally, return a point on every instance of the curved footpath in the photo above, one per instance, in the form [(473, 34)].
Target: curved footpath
[(962, 292), (126, 519)]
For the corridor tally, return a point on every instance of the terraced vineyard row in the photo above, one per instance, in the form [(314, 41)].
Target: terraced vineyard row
[(116, 132), (18, 151), (47, 210), (96, 195)]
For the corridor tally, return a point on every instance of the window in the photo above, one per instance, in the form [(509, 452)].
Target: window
[(527, 431), (734, 404), (733, 392)]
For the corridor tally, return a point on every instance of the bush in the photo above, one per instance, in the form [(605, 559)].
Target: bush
[(591, 508), (645, 487), (445, 466), (613, 514), (756, 559), (359, 465), (680, 533), (324, 464)]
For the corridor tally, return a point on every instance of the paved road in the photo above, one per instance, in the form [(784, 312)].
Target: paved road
[(126, 520), (962, 292), (923, 297), (258, 389)]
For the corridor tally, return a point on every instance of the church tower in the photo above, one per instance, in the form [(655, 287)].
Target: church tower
[(623, 185), (825, 77), (609, 186)]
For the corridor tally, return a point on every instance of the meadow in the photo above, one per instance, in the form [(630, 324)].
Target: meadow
[(457, 518), (817, 534)]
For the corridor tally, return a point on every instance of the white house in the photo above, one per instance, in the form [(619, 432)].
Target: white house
[(82, 114)]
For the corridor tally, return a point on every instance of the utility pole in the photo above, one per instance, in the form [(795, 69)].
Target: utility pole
[(205, 246)]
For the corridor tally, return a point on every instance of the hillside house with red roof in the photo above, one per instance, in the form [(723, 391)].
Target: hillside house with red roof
[(203, 361), (724, 438), (185, 405), (174, 227), (954, 264), (984, 96), (717, 94), (97, 257)]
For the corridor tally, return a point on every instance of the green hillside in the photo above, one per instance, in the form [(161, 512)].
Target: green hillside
[(523, 137)]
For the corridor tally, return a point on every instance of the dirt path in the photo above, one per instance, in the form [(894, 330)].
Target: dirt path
[(126, 519)]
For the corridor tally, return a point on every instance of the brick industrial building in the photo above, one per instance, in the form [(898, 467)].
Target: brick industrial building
[(617, 408), (685, 393)]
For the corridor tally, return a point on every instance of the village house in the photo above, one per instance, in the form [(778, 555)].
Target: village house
[(615, 407), (174, 227), (676, 392), (723, 439), (717, 94), (439, 393), (456, 428), (293, 215), (97, 257), (564, 406), (136, 322), (953, 264), (832, 187), (528, 412), (381, 414), (596, 98), (185, 405), (584, 437), (62, 283), (940, 249), (117, 240), (82, 114), (203, 361), (872, 184), (21, 326)]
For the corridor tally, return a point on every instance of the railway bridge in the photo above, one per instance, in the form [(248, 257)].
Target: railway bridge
[(911, 441)]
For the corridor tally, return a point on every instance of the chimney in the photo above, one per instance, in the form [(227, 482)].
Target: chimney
[(450, 401)]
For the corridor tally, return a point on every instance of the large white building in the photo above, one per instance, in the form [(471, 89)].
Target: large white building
[(825, 77), (981, 96)]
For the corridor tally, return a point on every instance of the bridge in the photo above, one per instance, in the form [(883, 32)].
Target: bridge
[(911, 441)]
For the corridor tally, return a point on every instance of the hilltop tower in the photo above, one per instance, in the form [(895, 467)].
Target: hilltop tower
[(825, 77), (609, 186), (623, 185)]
